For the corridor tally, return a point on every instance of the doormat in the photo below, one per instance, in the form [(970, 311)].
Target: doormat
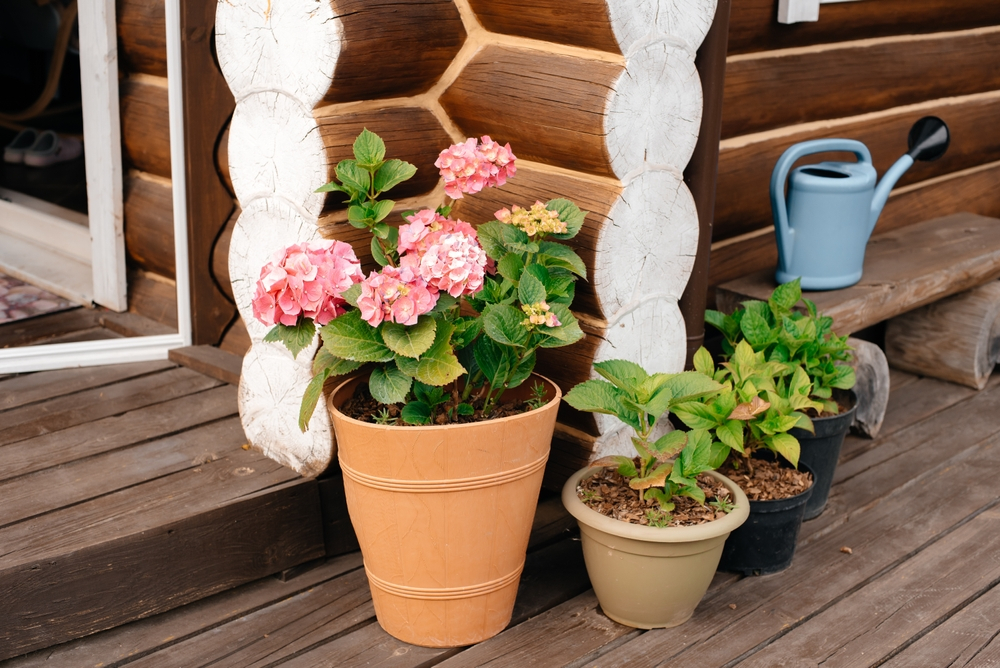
[(20, 300)]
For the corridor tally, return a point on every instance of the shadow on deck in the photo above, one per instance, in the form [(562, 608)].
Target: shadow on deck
[(96, 451)]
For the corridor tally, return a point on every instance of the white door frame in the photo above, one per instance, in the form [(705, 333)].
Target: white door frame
[(102, 128)]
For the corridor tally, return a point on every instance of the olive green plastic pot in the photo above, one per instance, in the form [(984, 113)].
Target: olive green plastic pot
[(648, 577)]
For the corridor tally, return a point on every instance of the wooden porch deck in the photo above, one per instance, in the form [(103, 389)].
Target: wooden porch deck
[(917, 508)]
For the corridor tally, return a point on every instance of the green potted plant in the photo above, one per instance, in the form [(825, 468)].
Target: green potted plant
[(443, 432), (806, 339), (650, 541), (752, 417)]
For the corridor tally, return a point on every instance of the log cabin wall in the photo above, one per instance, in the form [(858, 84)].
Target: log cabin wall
[(601, 103), (148, 191), (866, 70)]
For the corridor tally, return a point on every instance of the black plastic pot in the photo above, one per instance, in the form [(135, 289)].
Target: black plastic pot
[(766, 541), (821, 451)]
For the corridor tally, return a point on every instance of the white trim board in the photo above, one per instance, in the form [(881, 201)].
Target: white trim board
[(800, 11), (87, 353)]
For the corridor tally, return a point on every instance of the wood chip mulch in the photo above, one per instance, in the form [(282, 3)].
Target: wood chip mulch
[(769, 480), (608, 493)]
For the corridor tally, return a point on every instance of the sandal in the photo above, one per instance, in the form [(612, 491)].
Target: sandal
[(15, 150), (51, 148)]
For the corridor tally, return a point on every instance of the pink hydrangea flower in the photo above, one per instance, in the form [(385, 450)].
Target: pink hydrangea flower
[(471, 166), (396, 294), (306, 280), (444, 252)]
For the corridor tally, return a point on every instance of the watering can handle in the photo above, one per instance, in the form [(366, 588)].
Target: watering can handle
[(780, 175)]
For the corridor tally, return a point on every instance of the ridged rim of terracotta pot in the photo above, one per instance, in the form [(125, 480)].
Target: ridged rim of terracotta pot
[(420, 596), (732, 521)]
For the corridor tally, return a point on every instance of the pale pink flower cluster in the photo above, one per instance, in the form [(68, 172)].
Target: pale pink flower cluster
[(395, 294), (536, 220), (444, 252), (539, 314), (473, 165), (306, 280)]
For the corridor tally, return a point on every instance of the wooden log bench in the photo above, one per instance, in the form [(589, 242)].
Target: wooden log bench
[(912, 271)]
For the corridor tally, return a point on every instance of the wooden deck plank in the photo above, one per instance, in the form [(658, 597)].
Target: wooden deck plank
[(61, 486), (881, 535), (959, 641), (210, 361), (117, 431), (46, 385), (904, 269), (918, 594), (87, 406), (369, 646), (43, 328), (133, 641)]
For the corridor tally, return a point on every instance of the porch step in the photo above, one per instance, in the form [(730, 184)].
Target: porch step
[(126, 492)]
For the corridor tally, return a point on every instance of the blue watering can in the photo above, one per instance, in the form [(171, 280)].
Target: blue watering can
[(832, 207)]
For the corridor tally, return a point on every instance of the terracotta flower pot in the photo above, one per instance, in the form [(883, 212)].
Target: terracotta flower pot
[(649, 577), (443, 515)]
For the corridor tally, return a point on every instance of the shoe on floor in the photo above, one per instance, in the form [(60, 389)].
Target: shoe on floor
[(15, 150), (51, 148)]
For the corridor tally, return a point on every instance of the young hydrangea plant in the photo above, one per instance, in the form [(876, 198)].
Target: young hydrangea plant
[(514, 277), (783, 334), (759, 402), (669, 465)]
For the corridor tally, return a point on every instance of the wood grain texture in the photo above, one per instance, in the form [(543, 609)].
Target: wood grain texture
[(743, 203), (210, 361), (28, 388), (153, 297), (872, 387), (974, 191), (753, 26), (412, 134), (149, 224), (45, 328), (415, 41), (585, 23), (506, 93), (142, 36), (132, 324), (236, 340), (208, 105), (904, 269), (846, 81), (956, 339), (145, 126)]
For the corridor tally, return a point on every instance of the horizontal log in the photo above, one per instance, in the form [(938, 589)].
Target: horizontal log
[(149, 223), (775, 90), (222, 160), (152, 296), (142, 36), (583, 23), (743, 203), (415, 41), (550, 107), (220, 254), (752, 24), (410, 133), (145, 119), (971, 190)]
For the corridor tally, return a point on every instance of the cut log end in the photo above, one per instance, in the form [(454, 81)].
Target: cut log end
[(871, 388)]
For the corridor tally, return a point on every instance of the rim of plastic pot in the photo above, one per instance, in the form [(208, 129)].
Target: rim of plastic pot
[(687, 534), (554, 401)]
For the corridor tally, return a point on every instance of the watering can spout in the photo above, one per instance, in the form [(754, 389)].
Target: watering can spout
[(885, 187)]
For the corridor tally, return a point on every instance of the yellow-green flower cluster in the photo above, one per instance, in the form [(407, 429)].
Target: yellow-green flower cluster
[(539, 314), (534, 221)]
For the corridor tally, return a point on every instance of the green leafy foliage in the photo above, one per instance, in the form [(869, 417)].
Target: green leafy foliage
[(295, 337), (796, 338)]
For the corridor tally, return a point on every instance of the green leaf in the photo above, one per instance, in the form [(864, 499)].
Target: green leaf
[(570, 214), (669, 444), (491, 238), (295, 337), (566, 333), (530, 290), (438, 364), (522, 371), (703, 362), (351, 294), (502, 323), (411, 340), (357, 216), (352, 338), (690, 385), (369, 149), (314, 390), (623, 373), (598, 396), (335, 366), (756, 330), (696, 415), (465, 409), (381, 210), (510, 267), (785, 297), (625, 466), (494, 360), (416, 412), (389, 385), (730, 433), (552, 254), (353, 176), (377, 253), (785, 445), (392, 173), (467, 329), (407, 365), (845, 378), (720, 453), (333, 186)]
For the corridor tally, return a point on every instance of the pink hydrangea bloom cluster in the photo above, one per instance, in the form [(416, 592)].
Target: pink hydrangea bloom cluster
[(306, 280), (473, 165), (396, 294), (539, 314), (536, 220), (444, 252)]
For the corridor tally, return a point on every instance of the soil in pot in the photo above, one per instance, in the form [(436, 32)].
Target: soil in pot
[(821, 451), (362, 406), (778, 494)]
